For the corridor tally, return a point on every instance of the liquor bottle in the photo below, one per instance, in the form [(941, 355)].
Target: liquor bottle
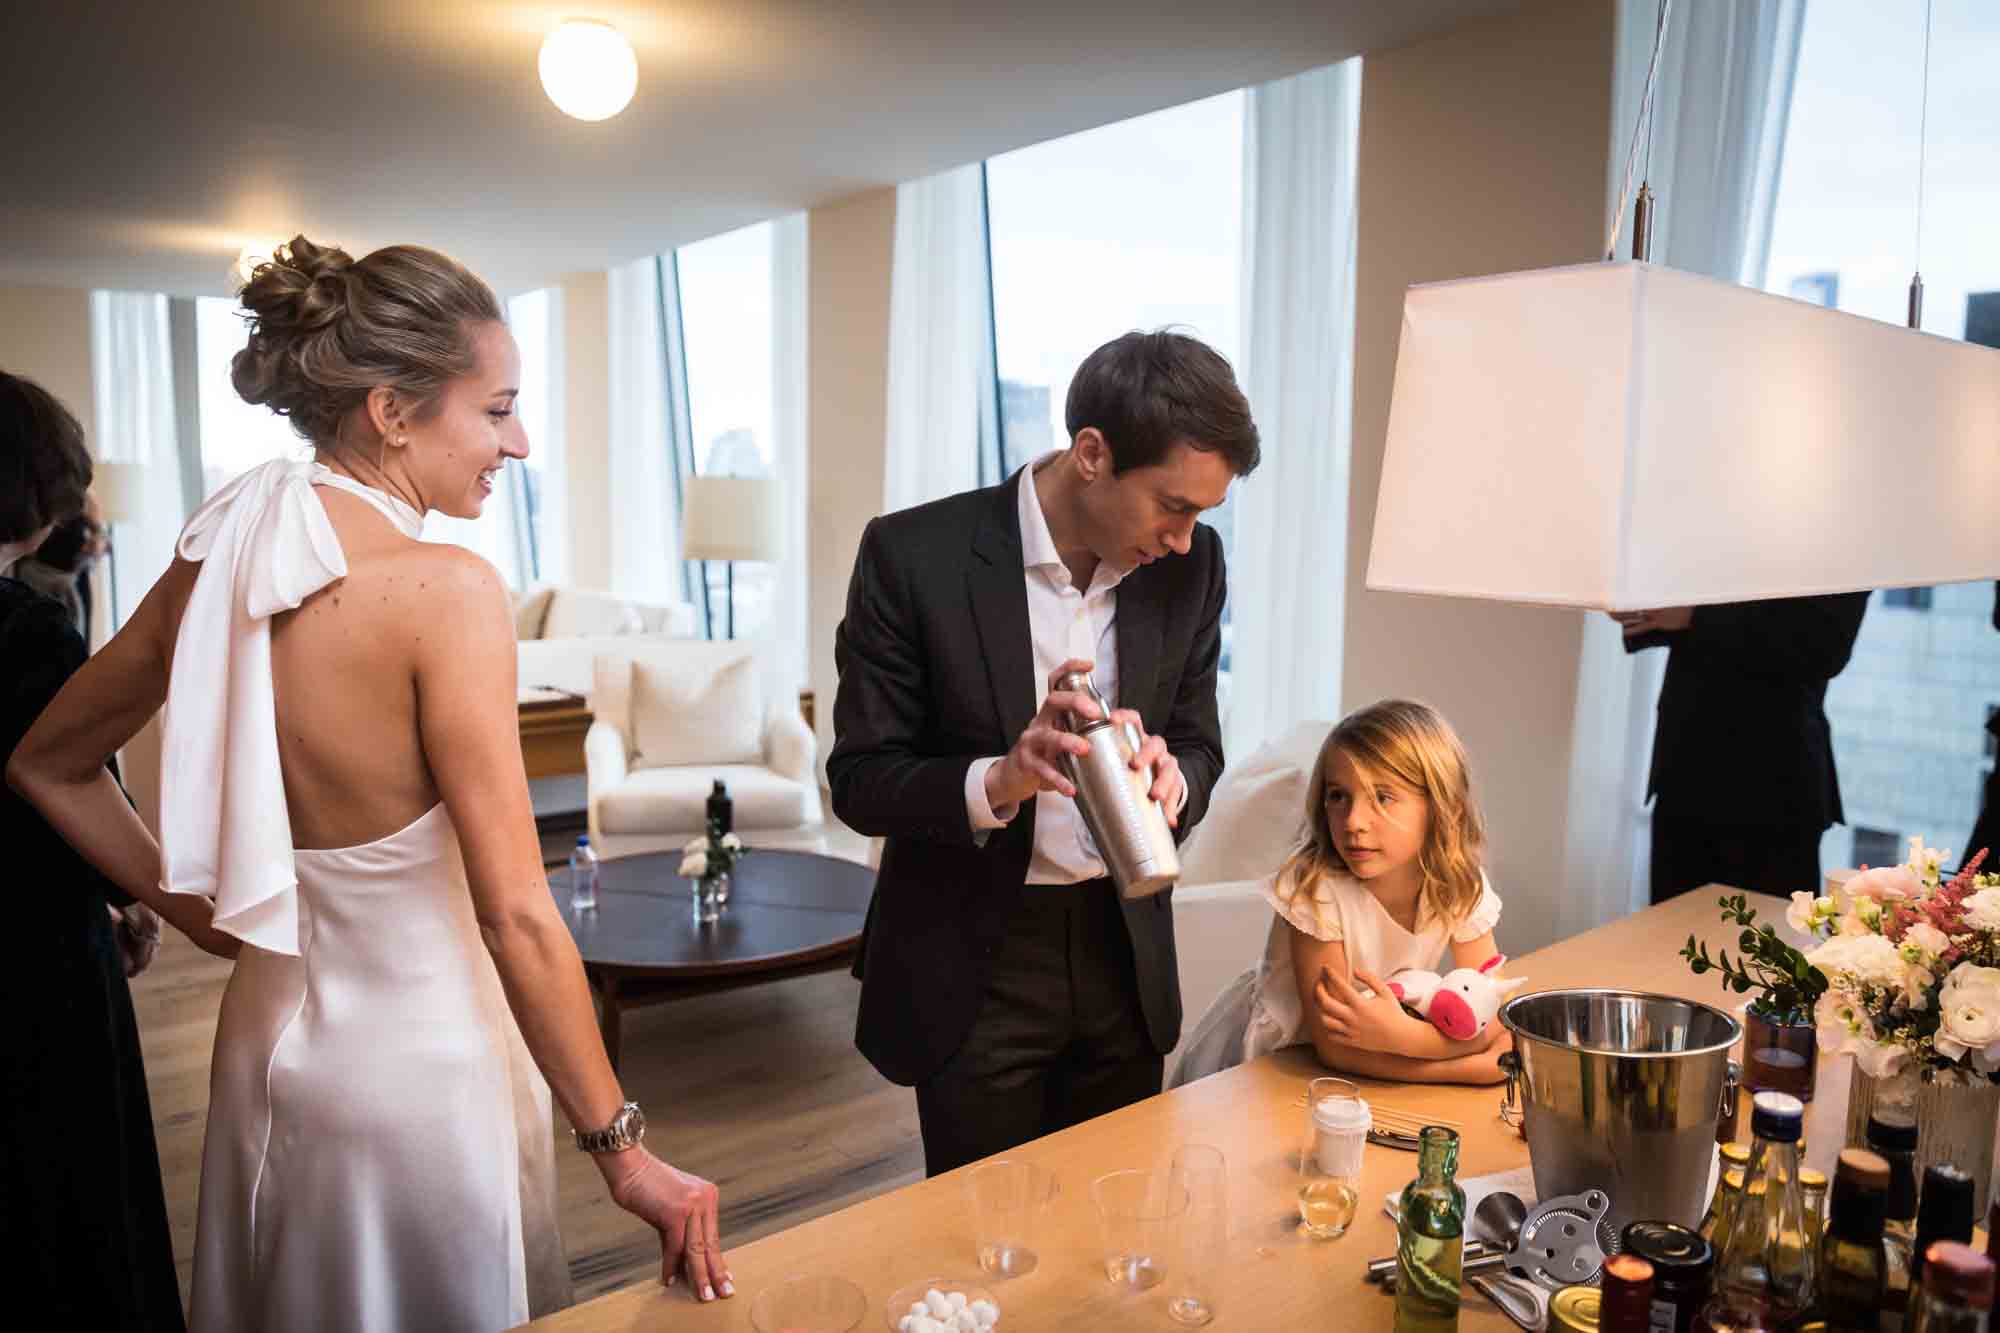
[(1944, 1212), (1812, 1184), (1734, 1157), (1852, 1263), (1956, 1291), (1764, 1279), (1722, 1213), (1895, 1140), (1430, 1238), (1683, 1268), (1627, 1302)]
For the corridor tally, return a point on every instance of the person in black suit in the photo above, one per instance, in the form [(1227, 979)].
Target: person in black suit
[(1743, 782), (1986, 829), (1002, 974)]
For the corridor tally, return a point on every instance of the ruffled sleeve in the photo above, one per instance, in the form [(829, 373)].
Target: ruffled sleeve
[(1485, 914), (1310, 910)]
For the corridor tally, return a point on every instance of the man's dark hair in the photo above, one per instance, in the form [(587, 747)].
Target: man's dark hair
[(44, 468), (1147, 392)]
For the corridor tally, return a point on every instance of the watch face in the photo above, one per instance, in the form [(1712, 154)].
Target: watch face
[(632, 1123)]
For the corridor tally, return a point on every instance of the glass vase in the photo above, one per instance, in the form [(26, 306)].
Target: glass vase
[(710, 893), (1779, 1055)]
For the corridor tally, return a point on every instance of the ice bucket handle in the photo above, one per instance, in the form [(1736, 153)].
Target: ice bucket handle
[(1732, 1091), (1512, 1098)]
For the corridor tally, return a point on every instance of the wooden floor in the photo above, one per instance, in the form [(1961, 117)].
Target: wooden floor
[(759, 1090)]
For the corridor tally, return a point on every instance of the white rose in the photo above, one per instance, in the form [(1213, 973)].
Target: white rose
[(696, 844), (694, 865), (1867, 959), (1879, 1059), (1838, 1022), (1969, 1015), (731, 842), (1926, 939), (1982, 910)]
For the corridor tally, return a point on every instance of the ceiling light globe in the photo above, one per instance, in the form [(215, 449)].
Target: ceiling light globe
[(588, 69)]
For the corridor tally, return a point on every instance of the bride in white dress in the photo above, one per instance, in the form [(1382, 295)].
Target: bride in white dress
[(345, 813)]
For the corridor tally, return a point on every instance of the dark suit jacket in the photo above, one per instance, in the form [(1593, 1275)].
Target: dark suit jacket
[(936, 671), (1743, 737)]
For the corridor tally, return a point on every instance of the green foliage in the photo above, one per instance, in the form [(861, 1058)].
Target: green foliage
[(1790, 985)]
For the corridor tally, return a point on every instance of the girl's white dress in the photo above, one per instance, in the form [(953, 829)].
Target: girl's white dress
[(1259, 1011)]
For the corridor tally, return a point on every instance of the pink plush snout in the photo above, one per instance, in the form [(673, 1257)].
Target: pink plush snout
[(1451, 1015)]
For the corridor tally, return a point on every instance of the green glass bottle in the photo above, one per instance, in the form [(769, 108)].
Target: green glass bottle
[(1853, 1263), (1430, 1238)]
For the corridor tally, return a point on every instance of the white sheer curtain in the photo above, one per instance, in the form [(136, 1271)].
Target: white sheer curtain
[(649, 431), (787, 628), (132, 378), (1723, 97), (1288, 567), (941, 381)]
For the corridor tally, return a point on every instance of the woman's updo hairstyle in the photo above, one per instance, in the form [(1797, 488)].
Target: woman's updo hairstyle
[(325, 328)]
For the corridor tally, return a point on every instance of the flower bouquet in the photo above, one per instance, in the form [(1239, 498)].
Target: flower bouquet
[(708, 861)]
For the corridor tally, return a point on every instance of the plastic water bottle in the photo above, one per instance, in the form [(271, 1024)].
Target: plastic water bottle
[(583, 875)]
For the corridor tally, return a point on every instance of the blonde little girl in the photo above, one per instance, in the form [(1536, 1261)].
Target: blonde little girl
[(1387, 877)]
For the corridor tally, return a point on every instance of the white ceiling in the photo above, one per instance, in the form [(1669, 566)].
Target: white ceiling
[(144, 143)]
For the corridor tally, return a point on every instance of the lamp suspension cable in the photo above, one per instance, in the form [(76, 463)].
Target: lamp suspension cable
[(1916, 316), (1642, 226)]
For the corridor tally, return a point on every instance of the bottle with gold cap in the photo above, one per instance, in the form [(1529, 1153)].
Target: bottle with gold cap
[(1956, 1291), (1812, 1184), (1735, 1156), (1575, 1310), (1853, 1269)]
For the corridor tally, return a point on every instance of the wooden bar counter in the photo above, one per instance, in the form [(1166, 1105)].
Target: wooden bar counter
[(1270, 1278)]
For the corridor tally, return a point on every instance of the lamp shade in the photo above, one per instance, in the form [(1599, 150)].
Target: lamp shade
[(118, 488), (1625, 436), (732, 518)]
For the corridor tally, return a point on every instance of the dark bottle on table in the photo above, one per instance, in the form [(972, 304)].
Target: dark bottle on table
[(1894, 1139), (1683, 1267), (1626, 1306), (1764, 1275), (721, 810), (1944, 1212), (1430, 1238), (1853, 1264), (1956, 1291)]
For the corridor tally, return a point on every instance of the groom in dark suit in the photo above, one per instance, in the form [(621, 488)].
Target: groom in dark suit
[(1001, 973)]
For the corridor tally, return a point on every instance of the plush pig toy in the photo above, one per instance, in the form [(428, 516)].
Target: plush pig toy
[(1460, 1003)]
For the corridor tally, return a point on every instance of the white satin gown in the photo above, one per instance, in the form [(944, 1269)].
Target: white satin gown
[(379, 1152)]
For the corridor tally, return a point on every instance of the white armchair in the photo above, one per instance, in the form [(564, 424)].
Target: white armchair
[(671, 717), (1255, 817)]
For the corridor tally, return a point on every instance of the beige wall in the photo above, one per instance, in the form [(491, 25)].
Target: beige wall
[(584, 337), (851, 244), (1482, 151), (45, 335)]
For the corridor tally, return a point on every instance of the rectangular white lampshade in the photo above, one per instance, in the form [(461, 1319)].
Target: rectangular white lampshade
[(732, 518), (120, 488), (1625, 436)]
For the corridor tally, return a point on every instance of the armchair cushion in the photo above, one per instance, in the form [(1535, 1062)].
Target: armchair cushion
[(531, 609), (682, 702), (1257, 812), (675, 800), (575, 614)]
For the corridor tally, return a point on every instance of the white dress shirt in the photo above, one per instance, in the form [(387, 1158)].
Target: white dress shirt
[(1063, 623)]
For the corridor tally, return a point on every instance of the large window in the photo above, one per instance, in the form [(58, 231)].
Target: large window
[(726, 316), (1909, 712), (1136, 225)]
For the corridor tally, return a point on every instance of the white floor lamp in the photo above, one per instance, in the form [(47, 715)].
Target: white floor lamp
[(731, 519)]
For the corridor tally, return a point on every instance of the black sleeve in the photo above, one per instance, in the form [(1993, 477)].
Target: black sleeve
[(881, 781), (42, 651), (1193, 732), (1786, 638)]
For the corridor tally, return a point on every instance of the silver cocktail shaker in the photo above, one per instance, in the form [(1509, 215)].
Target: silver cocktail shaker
[(1129, 826)]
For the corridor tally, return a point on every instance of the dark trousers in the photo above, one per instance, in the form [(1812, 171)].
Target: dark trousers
[(1763, 858), (1986, 832), (1059, 1037)]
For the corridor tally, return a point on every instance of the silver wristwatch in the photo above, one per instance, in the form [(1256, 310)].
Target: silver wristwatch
[(624, 1131)]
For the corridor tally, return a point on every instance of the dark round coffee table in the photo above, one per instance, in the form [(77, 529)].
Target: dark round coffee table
[(789, 914)]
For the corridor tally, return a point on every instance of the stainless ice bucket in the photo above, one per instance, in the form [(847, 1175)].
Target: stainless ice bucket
[(1620, 1091)]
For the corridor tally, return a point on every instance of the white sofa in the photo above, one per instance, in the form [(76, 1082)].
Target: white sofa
[(560, 631), (1255, 817), (670, 716)]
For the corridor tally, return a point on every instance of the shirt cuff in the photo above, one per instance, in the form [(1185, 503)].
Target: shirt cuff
[(979, 812)]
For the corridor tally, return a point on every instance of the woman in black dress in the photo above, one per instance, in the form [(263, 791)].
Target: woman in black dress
[(83, 1218)]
